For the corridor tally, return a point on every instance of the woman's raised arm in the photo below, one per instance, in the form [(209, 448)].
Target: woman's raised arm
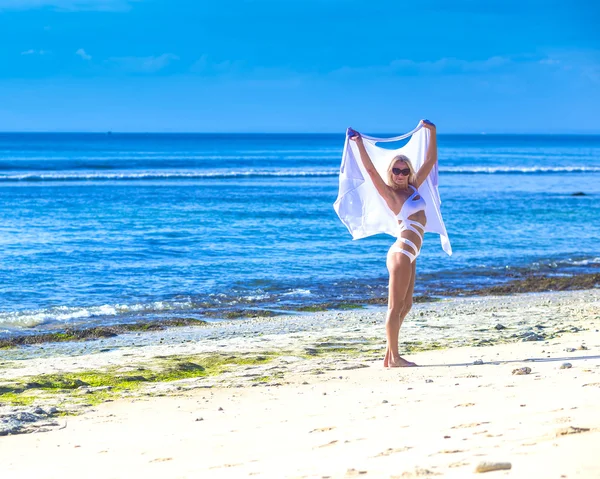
[(382, 188), (431, 156)]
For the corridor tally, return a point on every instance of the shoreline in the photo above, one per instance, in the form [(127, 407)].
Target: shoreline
[(527, 284), (340, 413), (86, 374)]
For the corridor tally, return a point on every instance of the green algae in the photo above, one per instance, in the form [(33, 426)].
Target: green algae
[(316, 308), (16, 399), (113, 382), (99, 332)]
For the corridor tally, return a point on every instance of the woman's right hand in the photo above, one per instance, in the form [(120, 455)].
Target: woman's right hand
[(354, 135)]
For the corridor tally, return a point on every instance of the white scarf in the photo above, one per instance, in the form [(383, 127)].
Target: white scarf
[(363, 210)]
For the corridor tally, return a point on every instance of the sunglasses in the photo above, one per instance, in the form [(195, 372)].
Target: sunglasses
[(398, 171)]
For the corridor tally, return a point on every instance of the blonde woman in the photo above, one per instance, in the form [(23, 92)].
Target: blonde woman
[(400, 190)]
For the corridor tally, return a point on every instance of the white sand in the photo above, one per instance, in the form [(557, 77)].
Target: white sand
[(439, 419)]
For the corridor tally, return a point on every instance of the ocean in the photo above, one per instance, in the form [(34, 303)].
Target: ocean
[(100, 229)]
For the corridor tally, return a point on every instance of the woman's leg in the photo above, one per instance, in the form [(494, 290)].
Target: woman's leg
[(401, 286)]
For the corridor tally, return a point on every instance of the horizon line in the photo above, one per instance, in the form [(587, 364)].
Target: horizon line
[(113, 132)]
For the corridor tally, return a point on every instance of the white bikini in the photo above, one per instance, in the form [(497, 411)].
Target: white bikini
[(413, 204)]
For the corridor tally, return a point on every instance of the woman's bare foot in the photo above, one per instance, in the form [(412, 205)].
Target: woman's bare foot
[(401, 363), (386, 360)]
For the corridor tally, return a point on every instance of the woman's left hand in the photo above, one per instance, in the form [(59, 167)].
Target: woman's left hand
[(427, 124)]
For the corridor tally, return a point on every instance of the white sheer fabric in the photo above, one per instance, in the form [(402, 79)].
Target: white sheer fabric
[(362, 209)]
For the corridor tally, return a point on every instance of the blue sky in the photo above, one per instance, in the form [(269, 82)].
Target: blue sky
[(471, 66)]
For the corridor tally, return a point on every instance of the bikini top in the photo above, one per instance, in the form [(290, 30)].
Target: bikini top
[(411, 206)]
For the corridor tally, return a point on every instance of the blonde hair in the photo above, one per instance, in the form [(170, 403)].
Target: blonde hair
[(390, 176)]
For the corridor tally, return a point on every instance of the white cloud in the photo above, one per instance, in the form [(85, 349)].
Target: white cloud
[(81, 52), (34, 52), (443, 66), (205, 65), (68, 5), (149, 64)]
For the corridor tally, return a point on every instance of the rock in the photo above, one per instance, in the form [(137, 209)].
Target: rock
[(9, 426), (578, 193), (566, 366), (384, 401), (583, 347), (486, 466), (532, 336), (521, 371), (26, 417), (570, 350), (429, 380), (478, 362), (499, 327)]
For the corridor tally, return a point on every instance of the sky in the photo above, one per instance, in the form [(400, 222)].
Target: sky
[(470, 66)]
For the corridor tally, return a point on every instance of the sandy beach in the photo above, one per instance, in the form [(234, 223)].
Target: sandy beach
[(513, 381)]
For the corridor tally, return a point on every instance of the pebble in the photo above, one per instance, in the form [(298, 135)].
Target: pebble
[(500, 327), (429, 380), (566, 366), (486, 466), (384, 401), (521, 371), (478, 362), (570, 350)]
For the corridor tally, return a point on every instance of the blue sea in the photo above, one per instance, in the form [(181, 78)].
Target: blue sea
[(113, 228)]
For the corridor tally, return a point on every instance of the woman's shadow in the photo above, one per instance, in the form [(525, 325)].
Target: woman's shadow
[(528, 360)]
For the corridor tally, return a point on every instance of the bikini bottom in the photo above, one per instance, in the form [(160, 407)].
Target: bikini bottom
[(411, 227)]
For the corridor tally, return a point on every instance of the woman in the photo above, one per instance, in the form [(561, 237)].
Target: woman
[(401, 194)]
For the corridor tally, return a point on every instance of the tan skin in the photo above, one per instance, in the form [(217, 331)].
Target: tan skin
[(402, 272)]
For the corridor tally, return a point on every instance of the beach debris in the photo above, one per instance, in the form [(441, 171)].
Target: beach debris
[(500, 327), (322, 429), (478, 362), (571, 430), (487, 466), (354, 472), (566, 366), (521, 371), (391, 450), (354, 366)]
